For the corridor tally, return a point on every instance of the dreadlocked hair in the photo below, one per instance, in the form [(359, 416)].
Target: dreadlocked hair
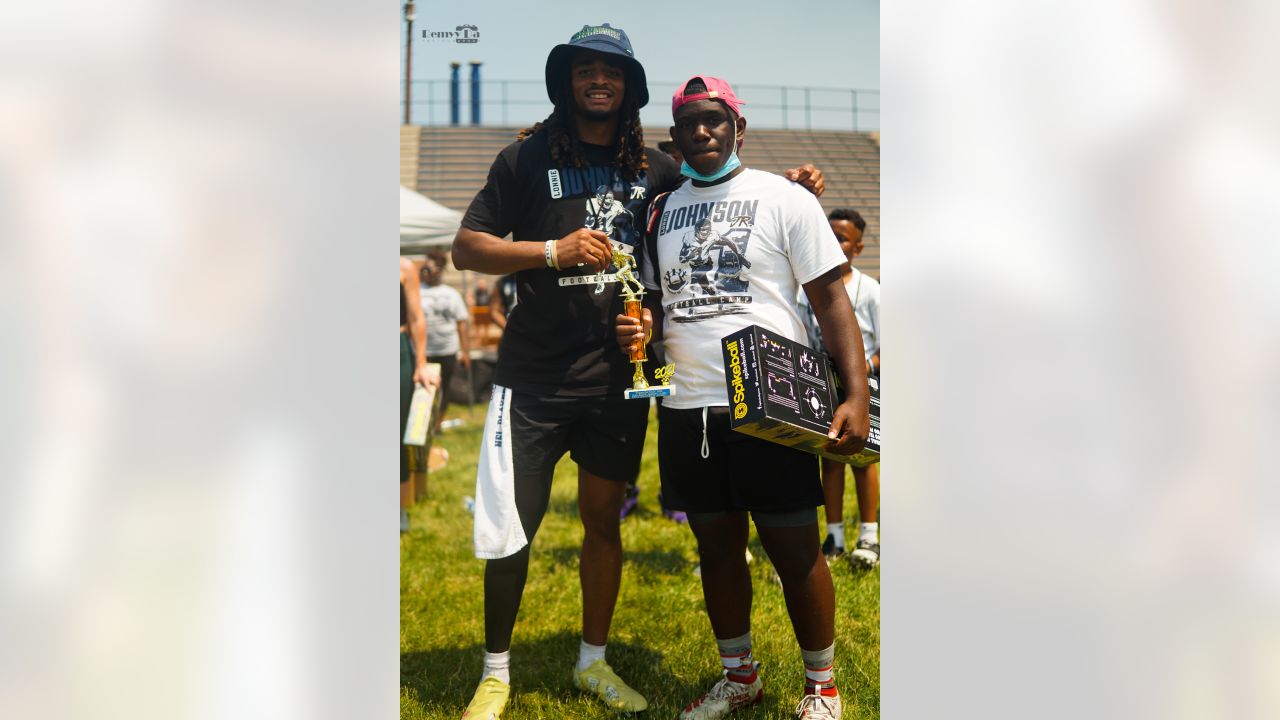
[(563, 140), (630, 156)]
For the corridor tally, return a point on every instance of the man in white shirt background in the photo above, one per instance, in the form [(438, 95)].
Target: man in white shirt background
[(448, 339)]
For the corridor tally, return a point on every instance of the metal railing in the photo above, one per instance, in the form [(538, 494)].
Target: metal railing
[(524, 102)]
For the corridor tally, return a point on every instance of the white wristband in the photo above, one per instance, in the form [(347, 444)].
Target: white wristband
[(546, 252)]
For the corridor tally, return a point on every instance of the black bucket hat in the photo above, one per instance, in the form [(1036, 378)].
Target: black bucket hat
[(600, 38)]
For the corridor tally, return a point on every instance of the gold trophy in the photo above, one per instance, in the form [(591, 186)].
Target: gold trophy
[(632, 292)]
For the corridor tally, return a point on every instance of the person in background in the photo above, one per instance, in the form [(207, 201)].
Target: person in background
[(480, 295), (669, 147), (864, 293), (413, 371), (503, 301), (448, 338)]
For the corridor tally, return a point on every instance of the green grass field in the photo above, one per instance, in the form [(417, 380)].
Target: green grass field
[(660, 641)]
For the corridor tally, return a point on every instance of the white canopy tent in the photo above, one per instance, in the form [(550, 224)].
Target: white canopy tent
[(425, 223)]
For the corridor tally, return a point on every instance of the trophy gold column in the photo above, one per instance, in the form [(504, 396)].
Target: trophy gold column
[(632, 293)]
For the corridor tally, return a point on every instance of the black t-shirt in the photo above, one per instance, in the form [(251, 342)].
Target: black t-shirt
[(559, 338)]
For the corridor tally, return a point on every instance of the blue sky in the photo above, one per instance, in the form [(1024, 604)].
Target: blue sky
[(825, 43)]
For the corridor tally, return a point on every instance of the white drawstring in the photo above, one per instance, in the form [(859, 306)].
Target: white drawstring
[(706, 449)]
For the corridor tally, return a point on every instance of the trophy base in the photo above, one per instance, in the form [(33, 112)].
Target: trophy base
[(651, 391)]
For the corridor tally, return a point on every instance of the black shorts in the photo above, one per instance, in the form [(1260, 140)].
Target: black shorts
[(603, 435), (525, 436), (740, 472)]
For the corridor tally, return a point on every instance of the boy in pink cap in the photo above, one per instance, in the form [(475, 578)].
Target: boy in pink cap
[(729, 249)]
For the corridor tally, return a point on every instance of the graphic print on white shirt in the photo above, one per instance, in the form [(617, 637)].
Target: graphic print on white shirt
[(728, 256), (714, 264)]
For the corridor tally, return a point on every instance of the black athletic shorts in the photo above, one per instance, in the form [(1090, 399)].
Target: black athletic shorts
[(525, 436), (739, 473), (603, 435)]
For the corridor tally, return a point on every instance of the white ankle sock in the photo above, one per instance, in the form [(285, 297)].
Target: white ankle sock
[(497, 665), (837, 531), (869, 531), (588, 653)]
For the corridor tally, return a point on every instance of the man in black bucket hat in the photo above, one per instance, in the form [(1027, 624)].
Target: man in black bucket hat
[(603, 39), (560, 376)]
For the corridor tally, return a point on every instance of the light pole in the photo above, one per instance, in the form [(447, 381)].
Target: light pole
[(409, 16)]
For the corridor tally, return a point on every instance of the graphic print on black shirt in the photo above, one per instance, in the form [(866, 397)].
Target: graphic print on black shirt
[(610, 216), (559, 338), (714, 262), (603, 212)]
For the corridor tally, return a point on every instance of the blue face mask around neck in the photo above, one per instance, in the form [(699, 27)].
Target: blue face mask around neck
[(732, 164)]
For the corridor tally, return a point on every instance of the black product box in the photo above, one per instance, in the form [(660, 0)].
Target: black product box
[(785, 392)]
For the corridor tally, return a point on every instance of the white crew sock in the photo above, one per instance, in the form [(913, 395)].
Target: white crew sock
[(869, 531), (497, 665), (836, 530), (735, 656), (588, 653), (819, 675)]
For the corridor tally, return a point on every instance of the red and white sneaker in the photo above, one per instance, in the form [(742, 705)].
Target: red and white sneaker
[(820, 707), (725, 697)]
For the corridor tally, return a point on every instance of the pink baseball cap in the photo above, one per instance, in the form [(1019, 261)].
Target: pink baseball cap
[(717, 89)]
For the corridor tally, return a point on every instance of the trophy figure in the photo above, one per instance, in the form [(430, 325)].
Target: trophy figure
[(632, 292)]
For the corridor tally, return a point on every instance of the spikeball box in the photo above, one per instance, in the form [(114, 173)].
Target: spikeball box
[(785, 392)]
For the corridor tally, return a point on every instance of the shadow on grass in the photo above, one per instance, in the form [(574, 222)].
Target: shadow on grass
[(567, 506), (667, 561), (447, 677)]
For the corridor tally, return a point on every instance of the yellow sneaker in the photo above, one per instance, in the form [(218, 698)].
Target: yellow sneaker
[(600, 680), (489, 700)]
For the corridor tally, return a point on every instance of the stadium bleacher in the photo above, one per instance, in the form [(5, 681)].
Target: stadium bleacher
[(449, 164)]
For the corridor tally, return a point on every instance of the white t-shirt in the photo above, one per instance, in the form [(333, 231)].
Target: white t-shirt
[(729, 256), (444, 307), (864, 293)]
